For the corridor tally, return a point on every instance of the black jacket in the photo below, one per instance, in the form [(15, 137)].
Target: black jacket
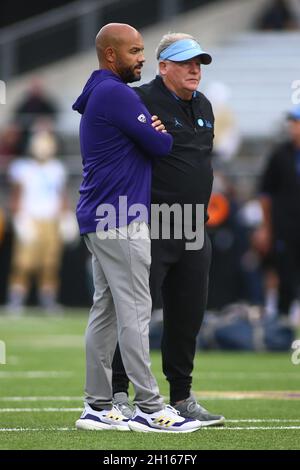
[(281, 181), (185, 176)]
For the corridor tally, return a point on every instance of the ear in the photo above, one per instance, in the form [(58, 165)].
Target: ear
[(162, 68), (109, 54)]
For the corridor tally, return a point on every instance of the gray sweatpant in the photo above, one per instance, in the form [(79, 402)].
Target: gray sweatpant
[(121, 312)]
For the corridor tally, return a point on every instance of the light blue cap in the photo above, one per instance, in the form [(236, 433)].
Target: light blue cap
[(294, 114), (185, 49)]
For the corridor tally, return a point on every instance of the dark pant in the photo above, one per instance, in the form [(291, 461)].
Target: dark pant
[(287, 257), (183, 278)]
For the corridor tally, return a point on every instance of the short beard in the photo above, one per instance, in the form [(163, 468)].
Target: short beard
[(128, 76)]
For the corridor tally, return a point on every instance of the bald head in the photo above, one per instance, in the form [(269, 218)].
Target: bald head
[(120, 48), (113, 35)]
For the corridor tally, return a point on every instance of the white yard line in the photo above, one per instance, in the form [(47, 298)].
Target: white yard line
[(36, 374), (264, 375), (35, 429), (67, 410), (39, 410), (202, 395), (31, 398), (246, 395), (266, 420), (209, 375), (250, 428), (236, 428)]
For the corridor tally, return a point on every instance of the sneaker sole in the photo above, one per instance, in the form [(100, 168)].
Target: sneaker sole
[(139, 427), (90, 425)]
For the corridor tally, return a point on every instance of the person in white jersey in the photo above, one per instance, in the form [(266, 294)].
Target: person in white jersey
[(37, 202)]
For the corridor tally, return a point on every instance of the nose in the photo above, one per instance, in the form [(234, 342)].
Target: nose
[(142, 57), (195, 67)]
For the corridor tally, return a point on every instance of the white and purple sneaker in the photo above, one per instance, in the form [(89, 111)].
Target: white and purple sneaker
[(166, 420), (92, 420)]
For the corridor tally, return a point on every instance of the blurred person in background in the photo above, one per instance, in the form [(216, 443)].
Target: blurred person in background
[(223, 226), (280, 199), (256, 288), (36, 109), (278, 15), (295, 6), (38, 202), (10, 145), (227, 138), (2, 224)]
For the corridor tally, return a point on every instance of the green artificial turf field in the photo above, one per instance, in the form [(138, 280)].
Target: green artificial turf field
[(41, 388)]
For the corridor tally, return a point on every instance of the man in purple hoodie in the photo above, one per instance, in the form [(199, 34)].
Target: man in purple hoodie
[(119, 141)]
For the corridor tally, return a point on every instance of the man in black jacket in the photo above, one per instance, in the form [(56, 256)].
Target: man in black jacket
[(184, 177), (280, 199)]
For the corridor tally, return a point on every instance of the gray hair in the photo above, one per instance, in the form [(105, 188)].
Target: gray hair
[(168, 39)]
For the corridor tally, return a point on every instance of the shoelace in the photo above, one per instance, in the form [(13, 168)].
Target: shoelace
[(116, 409), (173, 410), (124, 404)]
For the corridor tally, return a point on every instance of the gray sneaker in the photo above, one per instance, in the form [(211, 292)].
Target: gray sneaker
[(189, 408), (121, 401)]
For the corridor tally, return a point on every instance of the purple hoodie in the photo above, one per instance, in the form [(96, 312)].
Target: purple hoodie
[(118, 145)]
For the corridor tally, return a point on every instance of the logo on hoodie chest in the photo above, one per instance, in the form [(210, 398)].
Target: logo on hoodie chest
[(142, 118)]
